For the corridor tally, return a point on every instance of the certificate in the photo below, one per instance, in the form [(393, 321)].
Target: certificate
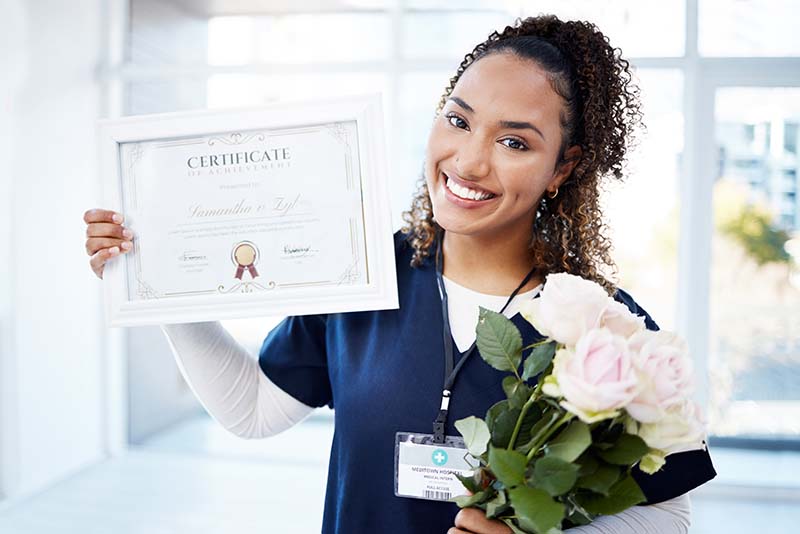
[(280, 210)]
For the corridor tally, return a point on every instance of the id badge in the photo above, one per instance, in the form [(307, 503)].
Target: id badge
[(424, 469)]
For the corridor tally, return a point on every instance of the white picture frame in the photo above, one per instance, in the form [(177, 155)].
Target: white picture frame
[(281, 149)]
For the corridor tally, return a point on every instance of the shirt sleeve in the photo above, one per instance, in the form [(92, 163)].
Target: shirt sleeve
[(682, 471), (294, 356), (669, 517), (227, 381)]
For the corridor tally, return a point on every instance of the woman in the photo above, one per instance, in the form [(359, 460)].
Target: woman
[(535, 117)]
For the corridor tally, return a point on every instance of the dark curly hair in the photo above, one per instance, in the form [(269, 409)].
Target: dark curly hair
[(600, 115)]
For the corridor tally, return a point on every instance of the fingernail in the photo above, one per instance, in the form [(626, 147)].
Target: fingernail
[(113, 250), (125, 245), (127, 233), (117, 218)]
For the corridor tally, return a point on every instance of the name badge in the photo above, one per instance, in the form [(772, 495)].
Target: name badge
[(425, 470)]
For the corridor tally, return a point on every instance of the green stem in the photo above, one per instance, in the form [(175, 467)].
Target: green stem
[(522, 413), (542, 342), (550, 431)]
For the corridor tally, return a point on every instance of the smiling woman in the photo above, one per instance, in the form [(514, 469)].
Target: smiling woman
[(534, 120)]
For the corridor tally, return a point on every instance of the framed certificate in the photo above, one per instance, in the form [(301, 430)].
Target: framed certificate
[(279, 210)]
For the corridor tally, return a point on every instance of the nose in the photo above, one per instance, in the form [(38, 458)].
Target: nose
[(472, 158)]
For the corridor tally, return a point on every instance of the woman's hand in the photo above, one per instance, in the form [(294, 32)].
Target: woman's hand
[(474, 521), (105, 238)]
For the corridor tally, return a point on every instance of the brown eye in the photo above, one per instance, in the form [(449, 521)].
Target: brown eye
[(456, 121), (515, 144)]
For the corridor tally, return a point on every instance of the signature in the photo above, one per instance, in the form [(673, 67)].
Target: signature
[(298, 252), (191, 255)]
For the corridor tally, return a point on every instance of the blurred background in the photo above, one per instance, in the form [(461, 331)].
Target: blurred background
[(98, 431)]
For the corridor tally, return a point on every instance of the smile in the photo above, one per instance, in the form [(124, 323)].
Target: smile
[(465, 192)]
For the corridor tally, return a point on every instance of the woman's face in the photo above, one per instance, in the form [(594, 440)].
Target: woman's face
[(492, 150)]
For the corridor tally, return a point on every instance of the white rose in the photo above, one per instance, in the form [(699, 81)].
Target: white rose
[(596, 379), (567, 307), (665, 373), (681, 429), (618, 318)]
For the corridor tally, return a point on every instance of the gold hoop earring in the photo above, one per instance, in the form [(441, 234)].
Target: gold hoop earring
[(554, 195)]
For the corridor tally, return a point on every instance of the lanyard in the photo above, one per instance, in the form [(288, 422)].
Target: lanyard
[(451, 370)]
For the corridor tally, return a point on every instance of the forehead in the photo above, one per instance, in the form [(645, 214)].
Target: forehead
[(502, 86)]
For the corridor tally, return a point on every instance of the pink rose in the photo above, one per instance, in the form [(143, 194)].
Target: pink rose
[(596, 379), (665, 373), (567, 307)]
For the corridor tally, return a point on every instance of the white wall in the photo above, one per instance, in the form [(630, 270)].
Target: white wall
[(51, 330)]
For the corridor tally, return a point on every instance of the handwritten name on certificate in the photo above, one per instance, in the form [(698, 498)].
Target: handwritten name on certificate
[(264, 212)]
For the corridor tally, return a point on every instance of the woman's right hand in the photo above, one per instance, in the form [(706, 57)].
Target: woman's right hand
[(105, 237)]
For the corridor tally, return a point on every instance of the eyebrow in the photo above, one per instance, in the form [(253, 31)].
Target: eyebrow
[(517, 125)]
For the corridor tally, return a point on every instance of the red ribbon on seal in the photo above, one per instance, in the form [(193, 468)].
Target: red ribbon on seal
[(250, 268)]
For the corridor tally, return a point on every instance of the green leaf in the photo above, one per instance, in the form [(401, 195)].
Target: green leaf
[(504, 425), (554, 475), (499, 341), (516, 391), (535, 509), (476, 434), (494, 411), (469, 482), (465, 501), (587, 462), (627, 450), (570, 443), (623, 495), (497, 506), (538, 360), (508, 466), (514, 528), (601, 480), (577, 514)]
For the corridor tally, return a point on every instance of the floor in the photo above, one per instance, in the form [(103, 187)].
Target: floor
[(197, 478)]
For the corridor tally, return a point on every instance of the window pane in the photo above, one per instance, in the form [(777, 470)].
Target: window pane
[(448, 35), (644, 230), (227, 90), (748, 27), (642, 28), (755, 287), (307, 38)]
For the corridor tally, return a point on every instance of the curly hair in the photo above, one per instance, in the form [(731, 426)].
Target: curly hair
[(600, 115)]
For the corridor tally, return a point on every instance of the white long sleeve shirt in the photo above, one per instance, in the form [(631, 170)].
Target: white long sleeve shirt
[(234, 390)]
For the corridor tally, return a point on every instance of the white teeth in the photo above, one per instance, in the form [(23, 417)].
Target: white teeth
[(465, 193)]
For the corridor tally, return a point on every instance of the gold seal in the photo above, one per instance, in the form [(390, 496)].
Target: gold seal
[(244, 256)]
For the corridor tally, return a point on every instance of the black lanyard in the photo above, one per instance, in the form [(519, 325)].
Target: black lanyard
[(451, 371)]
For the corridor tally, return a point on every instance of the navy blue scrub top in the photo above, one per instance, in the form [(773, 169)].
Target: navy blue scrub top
[(383, 372)]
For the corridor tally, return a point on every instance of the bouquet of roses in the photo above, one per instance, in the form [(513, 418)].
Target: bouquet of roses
[(610, 394)]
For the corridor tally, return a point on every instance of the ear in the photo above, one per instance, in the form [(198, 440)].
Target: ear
[(571, 158)]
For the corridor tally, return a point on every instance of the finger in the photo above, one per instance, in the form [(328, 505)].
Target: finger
[(108, 230), (454, 530), (93, 244), (98, 261), (475, 520), (100, 215)]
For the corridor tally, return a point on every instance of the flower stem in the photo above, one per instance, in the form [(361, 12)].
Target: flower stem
[(550, 431), (542, 342), (522, 413)]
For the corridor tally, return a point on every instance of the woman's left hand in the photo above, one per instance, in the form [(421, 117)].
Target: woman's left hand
[(474, 521)]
